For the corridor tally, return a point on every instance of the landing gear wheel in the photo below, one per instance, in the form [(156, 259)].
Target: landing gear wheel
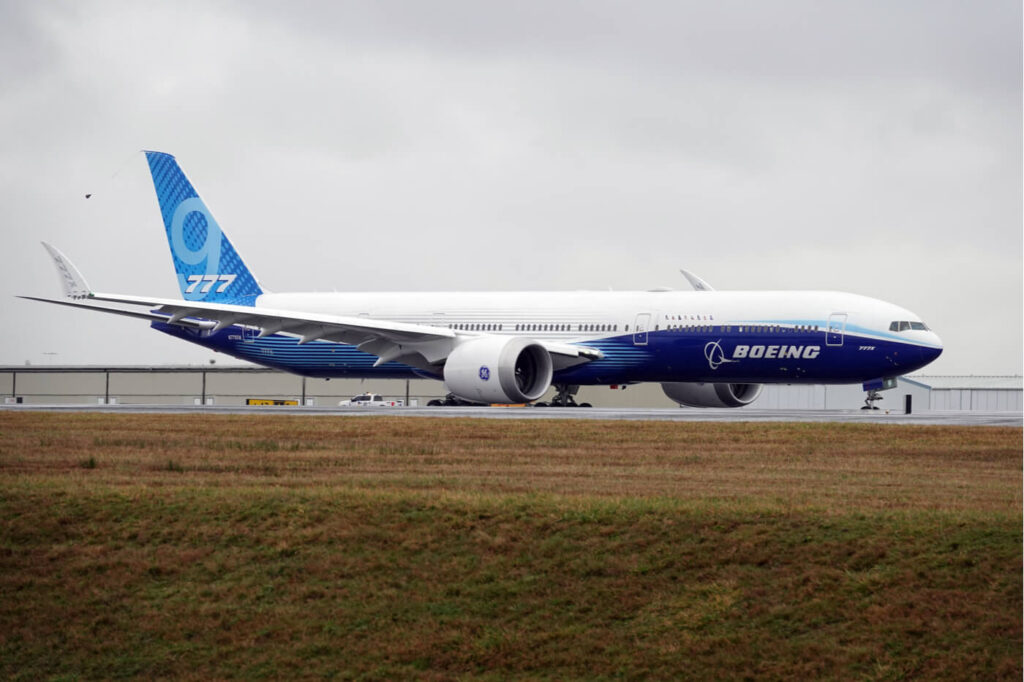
[(869, 401), (564, 395), (585, 405), (451, 400), (541, 404)]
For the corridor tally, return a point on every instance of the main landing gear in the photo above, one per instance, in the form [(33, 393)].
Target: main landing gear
[(450, 401), (869, 401), (564, 397)]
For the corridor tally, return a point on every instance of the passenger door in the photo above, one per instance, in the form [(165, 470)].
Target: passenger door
[(640, 329), (836, 329)]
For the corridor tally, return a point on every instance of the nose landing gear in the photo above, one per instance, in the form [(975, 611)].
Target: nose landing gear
[(869, 401)]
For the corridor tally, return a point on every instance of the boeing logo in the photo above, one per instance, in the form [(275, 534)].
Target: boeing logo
[(781, 352), (716, 356)]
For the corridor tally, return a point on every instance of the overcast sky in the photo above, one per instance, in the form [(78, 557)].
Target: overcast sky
[(871, 147)]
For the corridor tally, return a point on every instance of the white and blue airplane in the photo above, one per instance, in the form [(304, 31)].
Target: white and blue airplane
[(707, 348)]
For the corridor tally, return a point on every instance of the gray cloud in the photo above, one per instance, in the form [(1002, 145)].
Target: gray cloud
[(870, 147)]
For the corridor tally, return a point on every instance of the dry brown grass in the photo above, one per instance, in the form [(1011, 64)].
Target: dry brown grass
[(838, 467)]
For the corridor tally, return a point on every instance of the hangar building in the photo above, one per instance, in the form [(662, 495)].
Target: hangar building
[(233, 385)]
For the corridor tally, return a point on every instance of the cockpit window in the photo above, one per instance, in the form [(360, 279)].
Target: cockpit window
[(904, 325)]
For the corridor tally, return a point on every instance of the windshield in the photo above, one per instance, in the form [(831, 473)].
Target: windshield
[(904, 325)]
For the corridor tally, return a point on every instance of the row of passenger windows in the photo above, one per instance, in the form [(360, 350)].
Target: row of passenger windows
[(538, 327), (902, 326), (743, 329), (691, 328)]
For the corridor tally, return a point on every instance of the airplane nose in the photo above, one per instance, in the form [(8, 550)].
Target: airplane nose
[(929, 354)]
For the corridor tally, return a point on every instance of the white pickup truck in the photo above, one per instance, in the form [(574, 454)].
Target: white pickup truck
[(370, 400)]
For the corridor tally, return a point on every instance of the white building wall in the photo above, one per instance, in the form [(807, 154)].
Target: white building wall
[(981, 400), (232, 388), (842, 397), (791, 397)]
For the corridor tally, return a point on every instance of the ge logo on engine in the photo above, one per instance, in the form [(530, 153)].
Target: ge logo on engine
[(485, 373)]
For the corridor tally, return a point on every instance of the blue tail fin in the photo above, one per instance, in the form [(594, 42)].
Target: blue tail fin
[(209, 269)]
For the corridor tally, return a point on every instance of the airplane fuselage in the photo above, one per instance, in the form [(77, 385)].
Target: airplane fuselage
[(660, 336)]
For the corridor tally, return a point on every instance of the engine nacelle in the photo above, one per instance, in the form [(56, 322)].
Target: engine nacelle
[(712, 395), (495, 369)]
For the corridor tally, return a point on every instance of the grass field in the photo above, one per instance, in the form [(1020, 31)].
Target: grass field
[(203, 547)]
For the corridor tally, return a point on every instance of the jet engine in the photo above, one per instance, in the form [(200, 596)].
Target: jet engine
[(712, 395), (495, 369)]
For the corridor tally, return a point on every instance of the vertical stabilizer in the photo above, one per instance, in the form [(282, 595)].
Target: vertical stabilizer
[(208, 267)]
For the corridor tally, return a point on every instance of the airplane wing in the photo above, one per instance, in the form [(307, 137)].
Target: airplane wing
[(386, 339), (142, 315), (389, 341)]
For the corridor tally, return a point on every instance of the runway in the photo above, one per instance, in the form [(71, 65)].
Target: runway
[(957, 418)]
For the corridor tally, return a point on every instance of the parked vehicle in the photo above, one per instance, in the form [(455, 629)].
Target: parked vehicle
[(370, 400)]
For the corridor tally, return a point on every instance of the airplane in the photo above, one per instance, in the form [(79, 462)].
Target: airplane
[(707, 348)]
